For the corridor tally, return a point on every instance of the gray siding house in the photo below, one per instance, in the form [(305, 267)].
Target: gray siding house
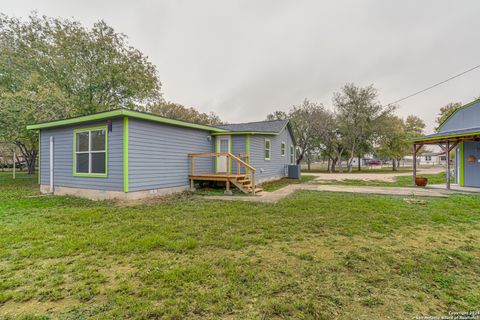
[(126, 154)]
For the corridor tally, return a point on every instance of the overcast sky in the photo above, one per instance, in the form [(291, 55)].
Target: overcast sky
[(244, 59)]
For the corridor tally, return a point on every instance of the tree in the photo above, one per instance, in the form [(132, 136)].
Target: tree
[(177, 111), (446, 111), (54, 68), (306, 120), (358, 113), (392, 142), (414, 126), (277, 115)]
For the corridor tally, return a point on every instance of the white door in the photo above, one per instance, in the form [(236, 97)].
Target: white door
[(223, 145)]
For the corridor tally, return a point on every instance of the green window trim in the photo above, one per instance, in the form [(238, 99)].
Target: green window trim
[(125, 154), (283, 149), (74, 162), (269, 149)]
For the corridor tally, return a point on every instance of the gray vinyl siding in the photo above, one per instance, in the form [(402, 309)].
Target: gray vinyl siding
[(466, 118), (63, 158), (238, 147), (158, 154), (276, 166)]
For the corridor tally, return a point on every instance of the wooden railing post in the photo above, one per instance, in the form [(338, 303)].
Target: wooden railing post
[(193, 165), (253, 183)]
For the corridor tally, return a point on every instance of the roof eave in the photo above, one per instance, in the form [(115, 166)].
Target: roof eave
[(444, 138), (119, 113), (247, 132)]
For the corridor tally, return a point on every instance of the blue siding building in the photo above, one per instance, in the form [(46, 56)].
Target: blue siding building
[(125, 154), (459, 133)]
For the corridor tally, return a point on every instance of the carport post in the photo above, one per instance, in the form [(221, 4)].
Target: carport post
[(448, 164), (414, 163)]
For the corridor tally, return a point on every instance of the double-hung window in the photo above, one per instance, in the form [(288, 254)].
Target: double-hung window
[(267, 149), (282, 149), (292, 155), (90, 152)]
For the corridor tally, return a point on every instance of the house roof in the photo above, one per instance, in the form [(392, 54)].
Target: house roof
[(458, 109), (116, 113), (448, 134), (269, 127)]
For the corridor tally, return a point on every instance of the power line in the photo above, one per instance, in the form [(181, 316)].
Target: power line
[(435, 85)]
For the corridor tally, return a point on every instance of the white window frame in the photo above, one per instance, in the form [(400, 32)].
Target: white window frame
[(292, 154), (283, 149), (90, 152), (269, 149)]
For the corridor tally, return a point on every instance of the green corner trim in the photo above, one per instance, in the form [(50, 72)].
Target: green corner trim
[(230, 150), (39, 164), (247, 147), (125, 154), (247, 150), (454, 112), (74, 156), (216, 150), (461, 159), (120, 113)]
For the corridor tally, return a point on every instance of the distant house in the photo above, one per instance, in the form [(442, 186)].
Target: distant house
[(459, 133), (428, 158), (127, 154)]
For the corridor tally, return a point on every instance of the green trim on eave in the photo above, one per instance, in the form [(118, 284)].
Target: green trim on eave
[(230, 150), (445, 137), (245, 132), (247, 150), (125, 154), (461, 159), (216, 150), (39, 165), (454, 112), (74, 160), (119, 113)]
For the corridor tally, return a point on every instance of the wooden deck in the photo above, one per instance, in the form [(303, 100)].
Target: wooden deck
[(243, 181), (216, 176)]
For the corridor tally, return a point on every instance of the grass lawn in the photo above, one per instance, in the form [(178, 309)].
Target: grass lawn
[(313, 256), (280, 183), (400, 181)]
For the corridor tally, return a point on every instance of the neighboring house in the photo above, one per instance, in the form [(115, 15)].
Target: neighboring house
[(460, 132), (128, 154), (429, 158)]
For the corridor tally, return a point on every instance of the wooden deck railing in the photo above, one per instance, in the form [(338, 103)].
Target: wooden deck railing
[(240, 163)]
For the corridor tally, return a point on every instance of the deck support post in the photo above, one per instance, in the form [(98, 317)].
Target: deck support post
[(448, 164), (414, 163), (192, 186), (227, 188)]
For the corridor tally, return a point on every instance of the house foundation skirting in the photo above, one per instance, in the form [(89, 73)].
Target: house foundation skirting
[(94, 194), (268, 179)]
